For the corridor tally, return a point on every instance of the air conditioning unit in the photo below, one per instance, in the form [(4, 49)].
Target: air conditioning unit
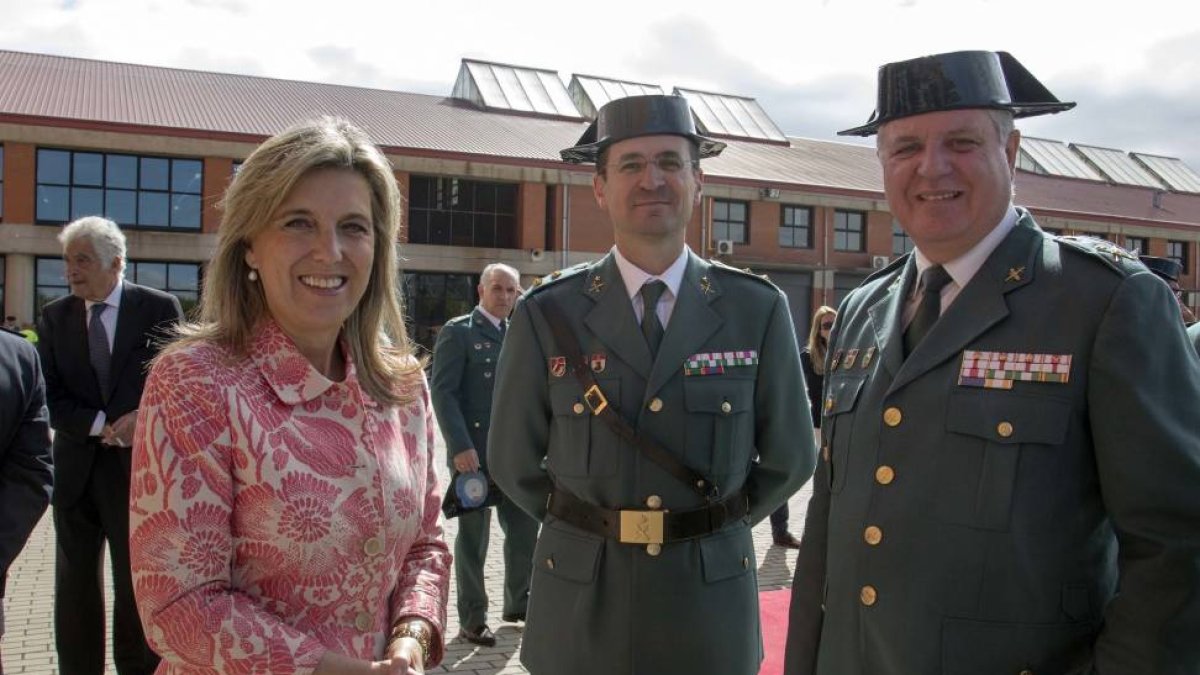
[(725, 247), (769, 193), (879, 262)]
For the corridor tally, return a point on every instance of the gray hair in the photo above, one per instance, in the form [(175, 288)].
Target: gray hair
[(1002, 121), (106, 238), (487, 271)]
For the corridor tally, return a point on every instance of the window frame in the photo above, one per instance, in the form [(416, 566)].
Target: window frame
[(843, 234), (727, 221), (429, 221), (1182, 257), (807, 228), (109, 189)]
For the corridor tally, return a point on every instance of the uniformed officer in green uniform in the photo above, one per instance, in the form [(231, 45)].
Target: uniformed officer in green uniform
[(665, 394), (1010, 447), (464, 366)]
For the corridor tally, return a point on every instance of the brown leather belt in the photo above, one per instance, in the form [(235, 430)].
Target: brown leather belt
[(644, 526)]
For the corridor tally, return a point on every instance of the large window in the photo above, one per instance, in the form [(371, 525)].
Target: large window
[(795, 227), (1137, 245), (1, 182), (730, 221), (135, 191), (459, 212), (849, 230), (1178, 251), (901, 242), (431, 298), (181, 279)]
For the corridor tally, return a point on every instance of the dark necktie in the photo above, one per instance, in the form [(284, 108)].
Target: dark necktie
[(98, 348), (502, 328), (932, 281), (652, 328)]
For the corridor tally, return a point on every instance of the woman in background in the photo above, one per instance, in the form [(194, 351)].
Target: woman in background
[(812, 359), (284, 509)]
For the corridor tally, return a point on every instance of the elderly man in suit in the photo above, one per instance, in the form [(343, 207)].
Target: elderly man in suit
[(26, 473), (464, 365), (664, 393), (96, 344), (1010, 458)]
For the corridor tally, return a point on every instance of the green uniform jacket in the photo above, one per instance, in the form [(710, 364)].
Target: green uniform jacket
[(960, 529), (464, 368), (599, 606)]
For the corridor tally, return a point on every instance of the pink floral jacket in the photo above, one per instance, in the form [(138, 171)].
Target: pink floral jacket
[(275, 514)]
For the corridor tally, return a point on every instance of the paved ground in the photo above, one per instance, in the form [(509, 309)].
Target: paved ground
[(28, 643)]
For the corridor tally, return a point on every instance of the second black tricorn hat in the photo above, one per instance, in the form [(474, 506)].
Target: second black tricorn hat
[(1166, 268), (634, 116), (954, 81)]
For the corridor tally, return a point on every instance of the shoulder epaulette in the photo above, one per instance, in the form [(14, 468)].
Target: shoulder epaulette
[(556, 276), (459, 320), (745, 272), (1114, 257)]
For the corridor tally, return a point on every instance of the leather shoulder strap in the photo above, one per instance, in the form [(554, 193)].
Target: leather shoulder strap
[(566, 340)]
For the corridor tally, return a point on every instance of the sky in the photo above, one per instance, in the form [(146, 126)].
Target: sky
[(1133, 68)]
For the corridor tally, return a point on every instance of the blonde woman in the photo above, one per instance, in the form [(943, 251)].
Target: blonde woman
[(812, 358), (284, 503)]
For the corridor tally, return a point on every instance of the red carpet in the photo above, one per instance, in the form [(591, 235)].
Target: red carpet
[(773, 607)]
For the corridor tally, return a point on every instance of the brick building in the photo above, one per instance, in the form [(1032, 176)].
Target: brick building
[(154, 148)]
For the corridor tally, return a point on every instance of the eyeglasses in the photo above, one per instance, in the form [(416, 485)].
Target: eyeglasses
[(669, 163), (826, 325)]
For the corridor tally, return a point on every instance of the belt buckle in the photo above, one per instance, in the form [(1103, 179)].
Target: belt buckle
[(595, 399), (641, 527)]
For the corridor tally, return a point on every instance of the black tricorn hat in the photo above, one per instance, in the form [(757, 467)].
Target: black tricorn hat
[(633, 116), (1164, 267), (954, 81)]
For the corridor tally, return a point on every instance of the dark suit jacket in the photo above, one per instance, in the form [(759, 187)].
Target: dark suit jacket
[(962, 529), (72, 391), (464, 369), (26, 474), (599, 606)]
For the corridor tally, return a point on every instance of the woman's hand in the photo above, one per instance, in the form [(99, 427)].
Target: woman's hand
[(405, 657)]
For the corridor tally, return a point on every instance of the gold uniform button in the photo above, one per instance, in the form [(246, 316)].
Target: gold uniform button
[(656, 405), (868, 596), (654, 502), (726, 407), (577, 408), (873, 535), (1025, 672), (885, 474), (828, 404), (550, 563), (653, 549), (477, 425), (363, 622), (1005, 429), (745, 563), (825, 452), (892, 417), (373, 546)]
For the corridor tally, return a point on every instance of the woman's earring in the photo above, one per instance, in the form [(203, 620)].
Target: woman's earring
[(253, 275)]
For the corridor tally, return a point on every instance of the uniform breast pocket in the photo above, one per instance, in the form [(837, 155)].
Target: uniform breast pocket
[(581, 445), (720, 424), (978, 462), (480, 376), (841, 398)]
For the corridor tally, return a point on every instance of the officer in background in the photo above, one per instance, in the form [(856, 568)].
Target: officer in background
[(1169, 270), (662, 391), (1018, 444), (464, 362)]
